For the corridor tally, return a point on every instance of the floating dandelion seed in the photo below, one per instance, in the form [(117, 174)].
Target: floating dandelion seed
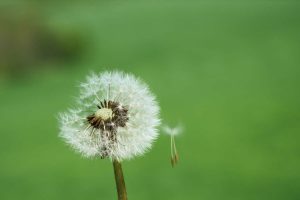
[(116, 117), (173, 132)]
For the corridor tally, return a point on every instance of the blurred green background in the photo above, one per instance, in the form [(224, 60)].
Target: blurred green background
[(228, 71)]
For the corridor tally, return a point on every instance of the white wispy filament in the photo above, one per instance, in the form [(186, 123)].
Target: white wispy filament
[(172, 131), (116, 117)]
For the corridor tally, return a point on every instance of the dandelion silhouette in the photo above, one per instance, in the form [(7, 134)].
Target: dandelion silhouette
[(116, 117)]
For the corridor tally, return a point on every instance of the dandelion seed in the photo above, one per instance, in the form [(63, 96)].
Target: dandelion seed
[(173, 132)]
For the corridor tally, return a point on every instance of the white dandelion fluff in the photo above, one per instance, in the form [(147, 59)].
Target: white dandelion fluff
[(173, 131), (116, 117)]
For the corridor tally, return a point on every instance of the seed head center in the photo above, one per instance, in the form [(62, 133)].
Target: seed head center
[(104, 113)]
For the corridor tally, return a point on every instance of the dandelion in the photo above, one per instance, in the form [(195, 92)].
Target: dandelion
[(173, 132), (116, 117)]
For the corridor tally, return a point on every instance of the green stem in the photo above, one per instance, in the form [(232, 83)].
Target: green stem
[(120, 183)]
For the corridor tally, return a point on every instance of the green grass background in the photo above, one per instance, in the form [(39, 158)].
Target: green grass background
[(228, 71)]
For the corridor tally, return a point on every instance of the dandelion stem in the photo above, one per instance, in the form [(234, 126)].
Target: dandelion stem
[(120, 183)]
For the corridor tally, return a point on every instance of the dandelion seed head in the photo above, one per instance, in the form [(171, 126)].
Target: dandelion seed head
[(116, 117)]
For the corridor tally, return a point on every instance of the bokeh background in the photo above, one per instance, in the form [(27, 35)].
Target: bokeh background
[(228, 71)]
